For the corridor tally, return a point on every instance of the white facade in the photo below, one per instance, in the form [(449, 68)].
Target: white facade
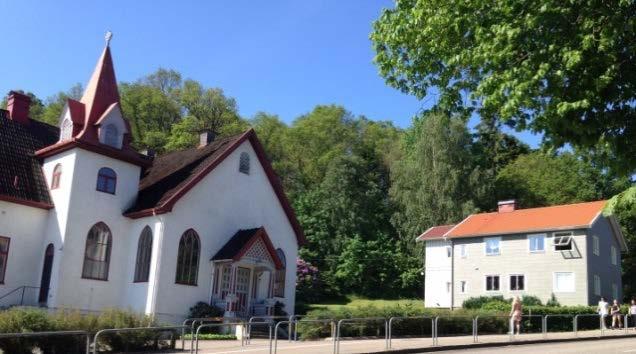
[(438, 280)]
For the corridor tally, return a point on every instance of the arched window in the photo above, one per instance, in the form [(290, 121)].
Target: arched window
[(106, 180), (67, 130), (97, 255), (188, 258), (279, 281), (111, 135), (244, 163), (144, 252), (57, 174)]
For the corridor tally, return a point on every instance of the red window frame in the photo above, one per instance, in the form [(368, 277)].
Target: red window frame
[(55, 178), (5, 258)]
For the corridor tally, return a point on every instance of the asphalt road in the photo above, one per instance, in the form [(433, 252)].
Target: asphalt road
[(615, 345)]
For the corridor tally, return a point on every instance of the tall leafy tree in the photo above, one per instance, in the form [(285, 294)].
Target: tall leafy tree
[(55, 104), (564, 68), (623, 207)]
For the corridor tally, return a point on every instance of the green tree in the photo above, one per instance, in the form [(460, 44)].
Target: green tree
[(55, 104), (623, 207), (541, 179), (560, 67)]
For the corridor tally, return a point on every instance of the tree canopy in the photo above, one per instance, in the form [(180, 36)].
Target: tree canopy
[(563, 68)]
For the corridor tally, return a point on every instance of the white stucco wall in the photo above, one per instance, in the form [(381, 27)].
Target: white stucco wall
[(25, 226), (224, 202), (438, 274)]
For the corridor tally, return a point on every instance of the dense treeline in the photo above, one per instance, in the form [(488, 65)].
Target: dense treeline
[(363, 189)]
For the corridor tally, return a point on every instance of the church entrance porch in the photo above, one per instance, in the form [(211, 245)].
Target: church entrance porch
[(244, 274)]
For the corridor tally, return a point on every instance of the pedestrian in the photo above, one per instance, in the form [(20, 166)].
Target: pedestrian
[(617, 321), (602, 310), (632, 312), (515, 314)]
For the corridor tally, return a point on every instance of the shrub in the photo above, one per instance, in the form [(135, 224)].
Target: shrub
[(553, 302), (531, 300), (479, 301), (204, 310)]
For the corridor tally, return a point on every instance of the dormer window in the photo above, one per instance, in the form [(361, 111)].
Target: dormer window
[(244, 163), (111, 136), (67, 130)]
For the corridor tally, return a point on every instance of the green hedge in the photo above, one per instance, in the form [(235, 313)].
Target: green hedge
[(457, 322), (17, 320)]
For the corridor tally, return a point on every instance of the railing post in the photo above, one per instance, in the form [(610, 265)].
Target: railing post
[(575, 326), (544, 326), (390, 325), (22, 297), (386, 334)]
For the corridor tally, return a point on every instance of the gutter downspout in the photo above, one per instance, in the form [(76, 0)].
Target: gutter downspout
[(155, 289), (452, 289)]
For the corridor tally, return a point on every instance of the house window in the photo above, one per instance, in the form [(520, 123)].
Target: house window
[(57, 174), (536, 243), (244, 163), (597, 285), (614, 255), (463, 251), (279, 281), (517, 282), (492, 283), (97, 254), (4, 256), (144, 253), (492, 246), (462, 286), (563, 282), (106, 180), (111, 136), (188, 258), (615, 291), (562, 241), (448, 287), (226, 276), (449, 251), (67, 130), (596, 247)]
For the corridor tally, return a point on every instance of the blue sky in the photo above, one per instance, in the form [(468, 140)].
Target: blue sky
[(281, 57)]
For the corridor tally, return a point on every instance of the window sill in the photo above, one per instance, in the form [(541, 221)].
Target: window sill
[(493, 254), (139, 281), (539, 252), (187, 284), (98, 279)]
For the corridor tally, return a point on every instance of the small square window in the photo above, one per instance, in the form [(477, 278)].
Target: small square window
[(449, 251), (596, 247), (562, 241), (597, 285), (462, 286), (614, 255), (564, 282), (492, 283), (536, 243), (463, 251), (492, 246), (517, 282), (448, 287)]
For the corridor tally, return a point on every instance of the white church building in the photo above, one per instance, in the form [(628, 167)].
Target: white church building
[(88, 223)]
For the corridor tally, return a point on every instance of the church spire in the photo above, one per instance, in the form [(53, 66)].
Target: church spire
[(101, 90)]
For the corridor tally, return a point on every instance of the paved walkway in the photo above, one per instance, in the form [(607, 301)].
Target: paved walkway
[(261, 346)]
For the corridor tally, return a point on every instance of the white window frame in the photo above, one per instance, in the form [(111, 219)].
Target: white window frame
[(463, 251), (534, 236), (570, 240), (597, 285), (486, 283), (613, 255), (525, 284), (554, 282), (596, 245), (463, 287), (498, 246)]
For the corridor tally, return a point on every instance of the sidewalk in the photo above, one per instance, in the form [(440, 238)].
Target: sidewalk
[(400, 345)]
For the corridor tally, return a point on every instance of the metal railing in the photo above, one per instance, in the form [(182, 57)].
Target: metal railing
[(261, 318), (393, 319), (472, 320), (193, 322), (476, 325), (51, 334), (601, 318), (229, 324), (135, 329), (19, 290), (547, 317), (336, 343)]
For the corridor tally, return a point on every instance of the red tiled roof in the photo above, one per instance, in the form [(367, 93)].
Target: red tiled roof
[(435, 232), (569, 216)]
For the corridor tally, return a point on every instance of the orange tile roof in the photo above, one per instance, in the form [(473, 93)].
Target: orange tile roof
[(568, 216), (435, 232)]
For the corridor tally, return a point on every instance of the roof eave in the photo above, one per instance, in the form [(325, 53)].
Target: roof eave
[(30, 203)]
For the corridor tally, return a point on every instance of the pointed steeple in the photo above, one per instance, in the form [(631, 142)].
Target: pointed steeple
[(101, 91)]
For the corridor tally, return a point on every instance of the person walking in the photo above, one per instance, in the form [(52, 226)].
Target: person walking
[(632, 312), (602, 310), (617, 321), (515, 315)]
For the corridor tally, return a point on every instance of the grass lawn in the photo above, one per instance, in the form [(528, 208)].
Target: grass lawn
[(359, 302)]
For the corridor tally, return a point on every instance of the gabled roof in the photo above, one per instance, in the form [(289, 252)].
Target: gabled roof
[(21, 177), (435, 232), (172, 175), (242, 241), (558, 217)]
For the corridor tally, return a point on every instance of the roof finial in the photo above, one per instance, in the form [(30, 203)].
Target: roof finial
[(109, 36)]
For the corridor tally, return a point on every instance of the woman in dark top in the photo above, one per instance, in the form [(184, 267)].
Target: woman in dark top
[(615, 311)]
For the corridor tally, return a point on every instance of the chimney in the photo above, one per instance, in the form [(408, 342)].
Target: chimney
[(18, 107), (206, 137), (506, 206)]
